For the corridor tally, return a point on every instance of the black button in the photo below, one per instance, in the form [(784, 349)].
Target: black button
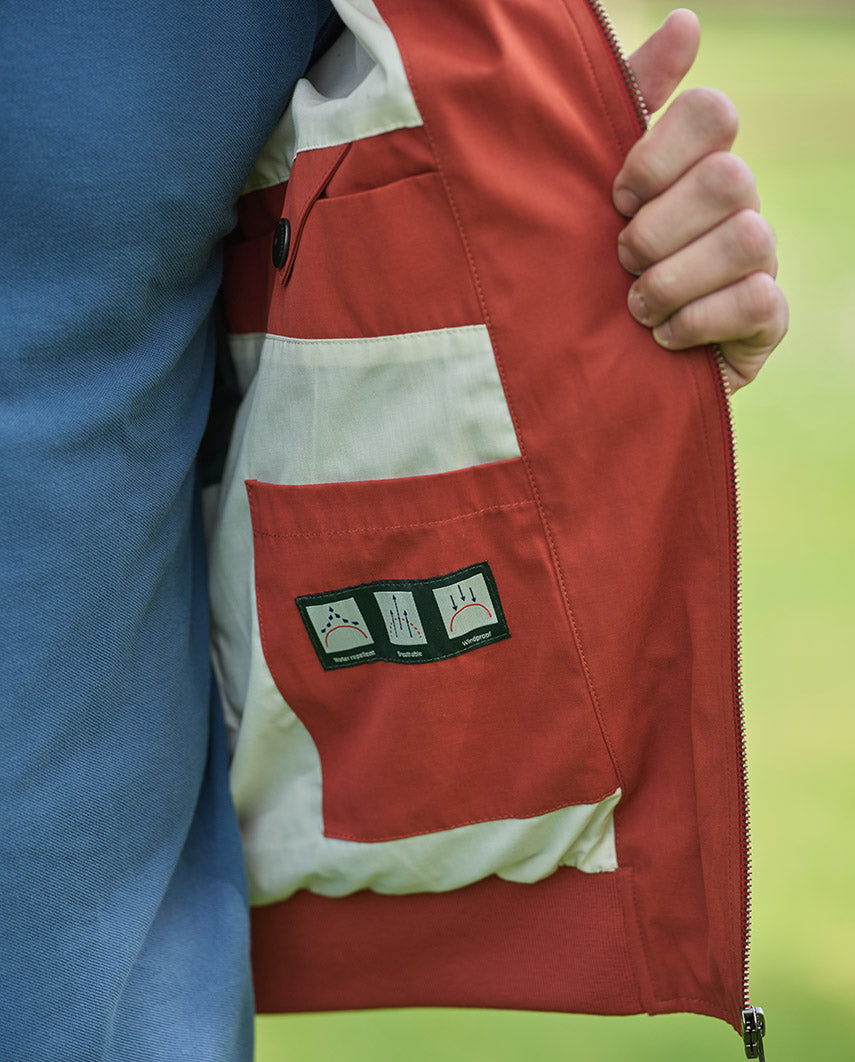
[(281, 242)]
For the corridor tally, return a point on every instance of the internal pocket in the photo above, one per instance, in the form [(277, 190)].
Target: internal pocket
[(419, 281), (416, 629)]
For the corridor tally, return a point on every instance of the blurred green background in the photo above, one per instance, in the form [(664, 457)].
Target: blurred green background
[(790, 68)]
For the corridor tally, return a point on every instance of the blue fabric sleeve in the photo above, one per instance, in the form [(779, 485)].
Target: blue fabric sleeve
[(129, 129)]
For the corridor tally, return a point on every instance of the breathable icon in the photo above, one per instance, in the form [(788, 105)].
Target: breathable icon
[(401, 617), (339, 625), (465, 605)]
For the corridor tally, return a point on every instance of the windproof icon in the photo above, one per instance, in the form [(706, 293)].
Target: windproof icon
[(465, 605)]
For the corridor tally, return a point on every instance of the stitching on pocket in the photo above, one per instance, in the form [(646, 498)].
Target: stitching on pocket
[(373, 189), (395, 527), (304, 208)]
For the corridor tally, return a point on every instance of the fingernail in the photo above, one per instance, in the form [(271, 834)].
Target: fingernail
[(627, 202), (638, 307), (628, 260), (662, 334)]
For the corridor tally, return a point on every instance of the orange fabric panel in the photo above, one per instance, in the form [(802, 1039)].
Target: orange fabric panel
[(624, 444), (489, 945)]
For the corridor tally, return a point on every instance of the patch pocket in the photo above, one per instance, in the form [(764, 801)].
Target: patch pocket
[(493, 719)]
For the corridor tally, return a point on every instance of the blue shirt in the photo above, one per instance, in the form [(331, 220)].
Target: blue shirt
[(128, 130)]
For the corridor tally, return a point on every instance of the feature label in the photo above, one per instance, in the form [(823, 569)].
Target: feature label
[(407, 621)]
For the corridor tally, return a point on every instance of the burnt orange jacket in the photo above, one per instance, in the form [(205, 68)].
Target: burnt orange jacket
[(474, 568)]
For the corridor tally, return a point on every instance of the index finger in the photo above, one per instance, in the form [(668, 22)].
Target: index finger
[(698, 122)]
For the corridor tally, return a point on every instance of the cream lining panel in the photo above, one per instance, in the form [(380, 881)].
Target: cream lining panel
[(357, 89), (410, 405)]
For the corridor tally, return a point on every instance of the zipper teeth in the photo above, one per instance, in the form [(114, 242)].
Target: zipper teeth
[(638, 102), (643, 116), (742, 737)]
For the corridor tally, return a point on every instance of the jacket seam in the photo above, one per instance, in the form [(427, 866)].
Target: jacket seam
[(559, 573), (593, 72)]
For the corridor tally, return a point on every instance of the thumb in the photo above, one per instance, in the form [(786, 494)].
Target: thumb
[(661, 63)]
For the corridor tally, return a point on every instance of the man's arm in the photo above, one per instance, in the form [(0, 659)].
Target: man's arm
[(704, 256)]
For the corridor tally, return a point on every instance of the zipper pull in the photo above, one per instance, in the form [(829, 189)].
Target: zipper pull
[(753, 1031)]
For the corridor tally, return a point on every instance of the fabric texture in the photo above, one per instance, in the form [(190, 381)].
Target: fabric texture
[(129, 130)]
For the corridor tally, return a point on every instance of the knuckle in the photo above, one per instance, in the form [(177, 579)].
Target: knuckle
[(685, 329), (755, 239), (728, 179), (763, 300), (659, 285), (689, 322), (647, 171), (713, 112), (640, 239)]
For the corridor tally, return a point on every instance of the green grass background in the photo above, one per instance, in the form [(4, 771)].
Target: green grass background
[(790, 67)]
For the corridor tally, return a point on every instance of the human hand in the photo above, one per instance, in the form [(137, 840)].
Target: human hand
[(704, 257)]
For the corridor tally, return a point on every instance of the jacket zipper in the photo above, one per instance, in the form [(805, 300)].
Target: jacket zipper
[(611, 35), (753, 1019)]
